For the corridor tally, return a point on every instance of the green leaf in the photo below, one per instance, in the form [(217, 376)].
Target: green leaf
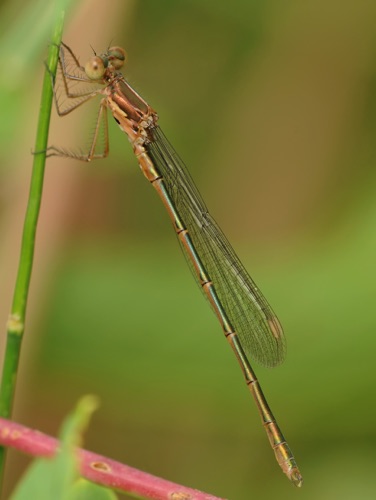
[(58, 478), (83, 489)]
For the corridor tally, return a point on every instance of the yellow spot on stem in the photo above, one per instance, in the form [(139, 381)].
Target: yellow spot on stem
[(14, 324)]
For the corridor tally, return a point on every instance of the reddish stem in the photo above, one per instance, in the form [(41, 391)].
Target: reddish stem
[(99, 469)]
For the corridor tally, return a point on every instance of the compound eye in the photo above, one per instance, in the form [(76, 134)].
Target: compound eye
[(95, 68), (116, 57)]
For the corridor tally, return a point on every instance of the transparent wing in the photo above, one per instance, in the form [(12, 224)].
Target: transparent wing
[(250, 314)]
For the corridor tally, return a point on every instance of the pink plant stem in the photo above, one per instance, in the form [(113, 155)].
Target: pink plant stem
[(97, 468)]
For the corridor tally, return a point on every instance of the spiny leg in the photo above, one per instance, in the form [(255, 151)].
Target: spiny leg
[(77, 73), (70, 77), (101, 124)]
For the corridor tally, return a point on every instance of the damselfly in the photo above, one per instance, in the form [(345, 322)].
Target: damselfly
[(247, 320)]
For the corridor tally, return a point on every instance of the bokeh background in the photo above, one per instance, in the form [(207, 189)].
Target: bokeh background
[(272, 105)]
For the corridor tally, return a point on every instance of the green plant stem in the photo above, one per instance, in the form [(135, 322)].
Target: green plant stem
[(16, 321)]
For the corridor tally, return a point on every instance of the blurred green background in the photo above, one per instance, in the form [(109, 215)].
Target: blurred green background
[(272, 105)]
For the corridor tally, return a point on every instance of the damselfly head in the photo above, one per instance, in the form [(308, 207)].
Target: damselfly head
[(113, 59)]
